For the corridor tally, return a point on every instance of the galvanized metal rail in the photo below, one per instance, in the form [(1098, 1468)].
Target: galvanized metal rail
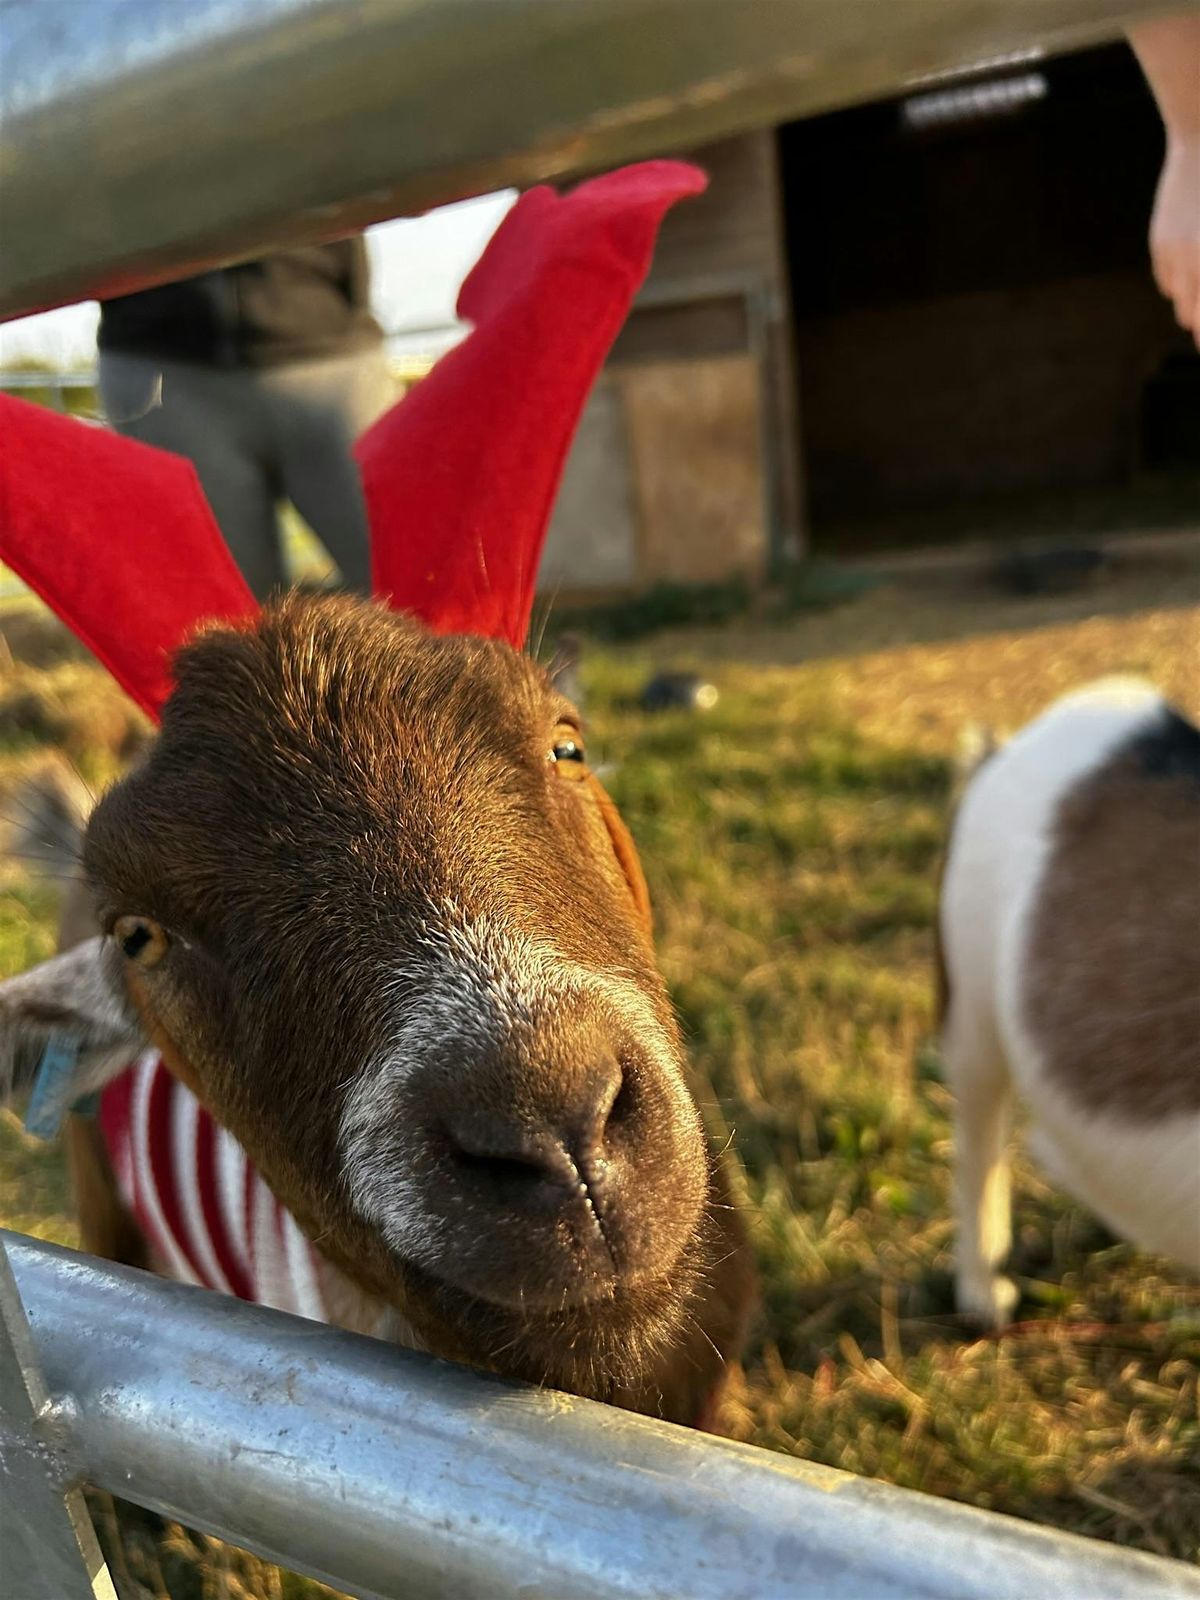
[(391, 1474), (142, 139), (48, 1550)]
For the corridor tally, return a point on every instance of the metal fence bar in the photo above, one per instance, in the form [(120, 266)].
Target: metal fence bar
[(50, 378), (392, 1474), (143, 139), (47, 1548), (56, 384)]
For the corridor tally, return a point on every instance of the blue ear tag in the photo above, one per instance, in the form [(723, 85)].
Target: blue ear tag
[(52, 1083)]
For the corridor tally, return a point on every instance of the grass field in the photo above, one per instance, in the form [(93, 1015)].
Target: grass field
[(792, 838)]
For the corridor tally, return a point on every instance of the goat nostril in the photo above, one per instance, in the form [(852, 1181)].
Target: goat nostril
[(510, 1175), (622, 1107), (539, 1154)]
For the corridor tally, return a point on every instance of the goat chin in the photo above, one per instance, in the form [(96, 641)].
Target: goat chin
[(598, 1348)]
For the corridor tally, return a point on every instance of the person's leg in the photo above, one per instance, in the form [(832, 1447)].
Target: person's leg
[(212, 417), (317, 410)]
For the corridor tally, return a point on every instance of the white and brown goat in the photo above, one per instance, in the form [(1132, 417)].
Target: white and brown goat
[(365, 898), (1070, 939)]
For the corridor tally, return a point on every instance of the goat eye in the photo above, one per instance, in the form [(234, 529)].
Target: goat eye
[(140, 940), (567, 752)]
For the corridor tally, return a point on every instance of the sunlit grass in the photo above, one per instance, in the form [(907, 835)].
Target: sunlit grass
[(791, 837)]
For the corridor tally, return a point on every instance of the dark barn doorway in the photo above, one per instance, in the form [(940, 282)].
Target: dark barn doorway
[(981, 348)]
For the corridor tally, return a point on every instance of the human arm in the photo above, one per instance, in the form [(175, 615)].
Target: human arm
[(1168, 49)]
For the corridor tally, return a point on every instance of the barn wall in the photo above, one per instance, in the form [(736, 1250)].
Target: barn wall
[(735, 226), (694, 431), (977, 394), (685, 465), (592, 542), (975, 314)]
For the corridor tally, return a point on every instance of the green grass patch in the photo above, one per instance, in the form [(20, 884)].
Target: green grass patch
[(791, 837)]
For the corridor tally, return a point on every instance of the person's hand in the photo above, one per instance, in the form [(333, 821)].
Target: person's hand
[(1175, 232), (1169, 51)]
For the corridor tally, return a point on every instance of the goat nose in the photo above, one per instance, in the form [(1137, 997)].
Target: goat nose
[(539, 1150)]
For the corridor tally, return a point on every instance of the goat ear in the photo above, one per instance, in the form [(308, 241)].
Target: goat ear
[(66, 1027), (626, 853)]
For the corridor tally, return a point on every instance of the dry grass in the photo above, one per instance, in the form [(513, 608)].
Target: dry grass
[(792, 838)]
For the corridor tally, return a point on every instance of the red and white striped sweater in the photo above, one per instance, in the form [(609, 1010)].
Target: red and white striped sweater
[(208, 1216)]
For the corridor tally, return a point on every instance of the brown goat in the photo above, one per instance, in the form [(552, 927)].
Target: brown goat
[(366, 899)]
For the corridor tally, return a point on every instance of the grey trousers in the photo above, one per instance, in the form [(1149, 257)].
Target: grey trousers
[(258, 436)]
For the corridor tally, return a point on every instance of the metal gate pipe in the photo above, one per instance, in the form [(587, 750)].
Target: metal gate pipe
[(391, 1474), (144, 139), (48, 1550)]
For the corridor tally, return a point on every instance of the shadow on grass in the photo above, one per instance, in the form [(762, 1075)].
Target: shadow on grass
[(932, 607)]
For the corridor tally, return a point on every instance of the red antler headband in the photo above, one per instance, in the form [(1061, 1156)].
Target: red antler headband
[(459, 477)]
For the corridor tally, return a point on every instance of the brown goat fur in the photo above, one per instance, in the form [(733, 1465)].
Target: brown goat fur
[(409, 968), (1114, 999)]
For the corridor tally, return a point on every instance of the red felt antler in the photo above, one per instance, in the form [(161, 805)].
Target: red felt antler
[(117, 538), (460, 477)]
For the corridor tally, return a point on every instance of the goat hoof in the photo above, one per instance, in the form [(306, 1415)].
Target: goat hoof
[(990, 1299)]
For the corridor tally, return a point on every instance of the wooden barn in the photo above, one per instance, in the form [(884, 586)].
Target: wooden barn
[(906, 321)]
